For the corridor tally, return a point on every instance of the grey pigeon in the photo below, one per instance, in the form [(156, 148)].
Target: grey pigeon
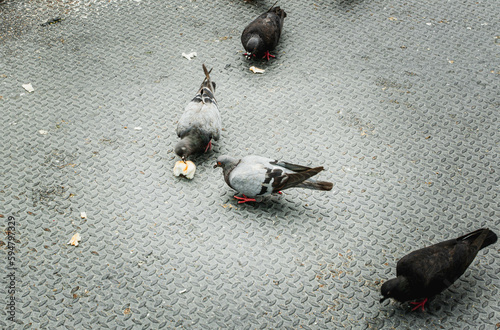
[(424, 273), (262, 34), (200, 122), (259, 176)]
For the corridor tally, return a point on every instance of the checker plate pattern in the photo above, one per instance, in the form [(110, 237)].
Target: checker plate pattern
[(398, 100)]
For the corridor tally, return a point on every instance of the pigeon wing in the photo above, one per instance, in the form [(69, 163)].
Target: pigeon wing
[(289, 180), (277, 175)]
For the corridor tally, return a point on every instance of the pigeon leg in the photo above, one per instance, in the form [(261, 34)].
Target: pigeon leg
[(244, 199), (209, 146), (419, 304), (267, 55)]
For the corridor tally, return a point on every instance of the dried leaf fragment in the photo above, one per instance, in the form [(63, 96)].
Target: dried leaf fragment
[(255, 69), (75, 239)]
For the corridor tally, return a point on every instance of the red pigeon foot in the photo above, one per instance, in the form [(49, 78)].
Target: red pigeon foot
[(244, 199), (419, 304)]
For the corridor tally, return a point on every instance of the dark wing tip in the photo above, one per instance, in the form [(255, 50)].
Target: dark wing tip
[(207, 73), (323, 185)]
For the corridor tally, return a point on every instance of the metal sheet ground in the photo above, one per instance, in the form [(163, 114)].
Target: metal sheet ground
[(398, 100)]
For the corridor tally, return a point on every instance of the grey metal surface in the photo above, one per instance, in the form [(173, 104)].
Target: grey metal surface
[(398, 100)]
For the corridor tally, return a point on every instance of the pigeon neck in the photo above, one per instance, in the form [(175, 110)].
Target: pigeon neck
[(191, 144), (403, 290), (231, 165)]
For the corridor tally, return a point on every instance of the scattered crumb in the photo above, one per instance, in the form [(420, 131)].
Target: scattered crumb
[(43, 132), (186, 169), (229, 205), (83, 215), (256, 70), (75, 239), (28, 87), (190, 55), (126, 311)]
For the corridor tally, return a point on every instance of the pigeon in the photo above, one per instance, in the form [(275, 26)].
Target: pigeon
[(426, 272), (263, 33), (200, 122), (259, 176)]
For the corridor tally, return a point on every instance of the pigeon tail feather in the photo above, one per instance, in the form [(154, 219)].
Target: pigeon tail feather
[(316, 185), (207, 83), (278, 11), (491, 238), (482, 236)]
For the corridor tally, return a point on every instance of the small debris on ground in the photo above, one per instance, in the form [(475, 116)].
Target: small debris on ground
[(75, 239), (28, 87), (83, 215), (52, 21), (190, 55), (186, 169), (138, 128), (256, 70), (43, 132)]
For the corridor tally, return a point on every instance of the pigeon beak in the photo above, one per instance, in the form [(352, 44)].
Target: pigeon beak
[(383, 299), (215, 166), (183, 159)]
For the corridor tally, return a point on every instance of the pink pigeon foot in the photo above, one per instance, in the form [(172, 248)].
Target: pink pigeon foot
[(267, 55), (244, 199), (419, 304), (209, 146)]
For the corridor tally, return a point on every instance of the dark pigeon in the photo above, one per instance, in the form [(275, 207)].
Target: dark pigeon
[(200, 122), (262, 35), (424, 273), (259, 176)]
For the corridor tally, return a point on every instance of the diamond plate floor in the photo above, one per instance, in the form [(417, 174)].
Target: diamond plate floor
[(398, 100)]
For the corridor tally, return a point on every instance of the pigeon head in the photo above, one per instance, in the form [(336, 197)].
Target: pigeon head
[(183, 149), (226, 162), (254, 46), (397, 288)]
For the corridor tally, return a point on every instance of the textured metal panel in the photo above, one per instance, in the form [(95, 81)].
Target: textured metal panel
[(398, 100)]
